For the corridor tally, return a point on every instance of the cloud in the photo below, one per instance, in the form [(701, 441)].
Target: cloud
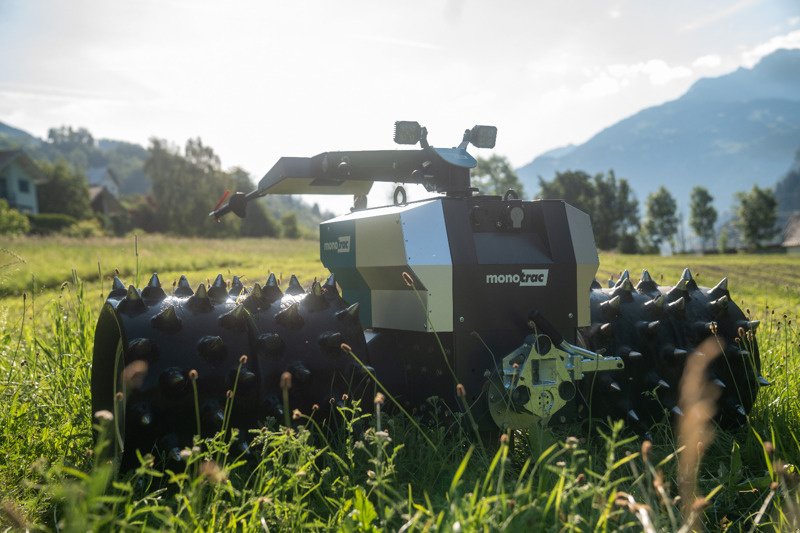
[(658, 71), (718, 15), (794, 21), (754, 55), (707, 61)]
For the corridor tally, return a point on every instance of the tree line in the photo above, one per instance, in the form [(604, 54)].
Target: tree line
[(184, 184), (614, 210)]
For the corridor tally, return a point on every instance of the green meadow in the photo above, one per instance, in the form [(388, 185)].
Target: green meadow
[(371, 471)]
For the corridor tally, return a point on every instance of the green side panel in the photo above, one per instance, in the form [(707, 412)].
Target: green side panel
[(337, 251)]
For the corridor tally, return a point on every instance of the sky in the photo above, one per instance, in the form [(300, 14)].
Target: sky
[(257, 80)]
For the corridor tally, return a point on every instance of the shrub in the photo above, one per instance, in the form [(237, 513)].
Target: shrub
[(84, 228), (48, 223), (12, 222)]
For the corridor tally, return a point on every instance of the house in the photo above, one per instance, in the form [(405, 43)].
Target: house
[(19, 176), (103, 201), (791, 235), (103, 177)]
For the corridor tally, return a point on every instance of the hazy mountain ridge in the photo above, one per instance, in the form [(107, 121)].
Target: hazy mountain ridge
[(726, 133)]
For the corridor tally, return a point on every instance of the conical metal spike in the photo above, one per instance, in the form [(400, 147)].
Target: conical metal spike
[(606, 328), (153, 290), (118, 289), (145, 419), (132, 295), (595, 284), (678, 289), (154, 281), (663, 384), (611, 306), (633, 415), (330, 286), (677, 410), (679, 354), (634, 355), (622, 277), (212, 348), (749, 325), (648, 327), (646, 284), (200, 301), (610, 282), (172, 380), (246, 381), (183, 288), (720, 304), (678, 306), (615, 386), (236, 287), (741, 410), (350, 313), (271, 290), (218, 291), (656, 304), (140, 348), (270, 343), (719, 289), (167, 320), (331, 340), (132, 303), (300, 372), (235, 319), (719, 383), (294, 287), (316, 289), (762, 381), (687, 275), (290, 315), (255, 299)]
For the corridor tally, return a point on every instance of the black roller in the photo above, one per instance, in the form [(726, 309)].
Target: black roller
[(153, 350), (654, 329)]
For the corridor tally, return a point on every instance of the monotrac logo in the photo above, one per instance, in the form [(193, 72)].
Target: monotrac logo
[(529, 277), (342, 245)]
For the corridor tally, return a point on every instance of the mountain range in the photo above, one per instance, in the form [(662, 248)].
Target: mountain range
[(725, 133)]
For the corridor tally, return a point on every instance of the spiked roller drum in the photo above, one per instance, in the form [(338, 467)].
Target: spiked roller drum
[(654, 329), (165, 364)]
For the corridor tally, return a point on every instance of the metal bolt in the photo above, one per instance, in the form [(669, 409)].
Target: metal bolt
[(571, 315), (562, 418), (461, 319)]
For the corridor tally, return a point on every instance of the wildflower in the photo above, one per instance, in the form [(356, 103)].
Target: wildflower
[(286, 381), (380, 399), (370, 474), (296, 414), (243, 360), (345, 397), (461, 392), (133, 375), (345, 347), (211, 472), (646, 447), (193, 374), (186, 453), (104, 415)]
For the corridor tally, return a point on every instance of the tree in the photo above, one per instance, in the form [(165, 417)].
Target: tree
[(66, 191), (609, 202), (661, 222), (67, 137), (756, 215), (614, 212), (12, 222), (291, 230), (702, 215), (495, 175)]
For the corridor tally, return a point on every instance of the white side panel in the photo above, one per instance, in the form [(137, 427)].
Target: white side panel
[(586, 259)]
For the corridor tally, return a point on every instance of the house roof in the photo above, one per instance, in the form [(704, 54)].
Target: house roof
[(21, 158), (791, 235)]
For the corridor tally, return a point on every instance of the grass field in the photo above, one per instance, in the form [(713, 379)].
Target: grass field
[(369, 473)]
